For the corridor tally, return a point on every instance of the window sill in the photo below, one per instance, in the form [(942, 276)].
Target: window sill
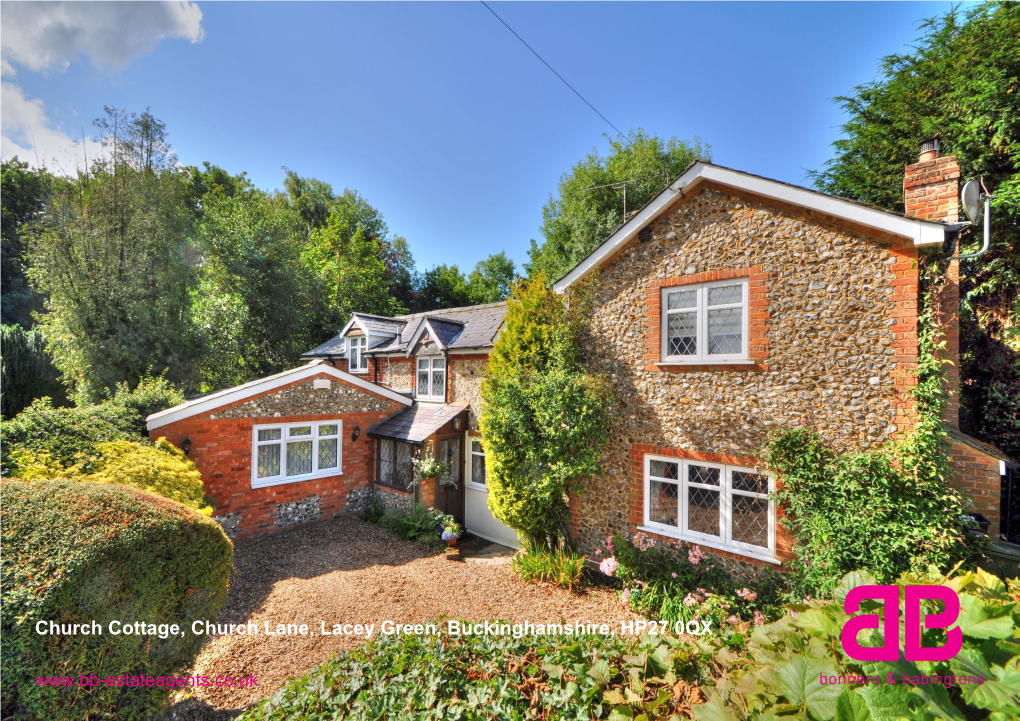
[(264, 483), (477, 487), (708, 362), (717, 545), (400, 489)]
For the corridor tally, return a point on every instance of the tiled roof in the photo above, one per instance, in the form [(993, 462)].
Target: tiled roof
[(418, 422), (381, 325), (334, 347), (987, 448), (474, 326)]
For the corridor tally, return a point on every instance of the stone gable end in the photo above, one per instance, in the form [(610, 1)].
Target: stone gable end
[(303, 399), (832, 331)]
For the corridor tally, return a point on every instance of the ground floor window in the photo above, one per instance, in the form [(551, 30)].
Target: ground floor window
[(288, 452), (476, 468), (720, 506), (395, 467)]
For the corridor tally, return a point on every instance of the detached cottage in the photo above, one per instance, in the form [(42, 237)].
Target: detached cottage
[(731, 304)]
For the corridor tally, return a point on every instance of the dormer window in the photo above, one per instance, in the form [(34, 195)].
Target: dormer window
[(431, 379), (357, 360)]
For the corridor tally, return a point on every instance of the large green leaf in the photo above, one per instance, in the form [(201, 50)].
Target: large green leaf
[(601, 673), (984, 620), (818, 622), (714, 710), (850, 706), (799, 681), (888, 703), (851, 581), (936, 699)]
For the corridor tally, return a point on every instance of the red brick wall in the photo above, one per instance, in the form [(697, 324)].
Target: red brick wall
[(221, 448), (976, 475)]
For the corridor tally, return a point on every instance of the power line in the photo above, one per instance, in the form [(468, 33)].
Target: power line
[(554, 71)]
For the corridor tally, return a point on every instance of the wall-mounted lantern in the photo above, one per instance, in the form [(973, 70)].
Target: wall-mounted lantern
[(458, 423), (355, 433), (186, 446)]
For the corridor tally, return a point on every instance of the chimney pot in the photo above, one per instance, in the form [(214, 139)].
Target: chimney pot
[(930, 149)]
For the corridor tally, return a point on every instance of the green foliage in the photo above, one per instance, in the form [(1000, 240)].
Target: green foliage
[(562, 567), (344, 258), (443, 286), (543, 417), (253, 300), (776, 670), (552, 677), (428, 466), (419, 523), (151, 395), (161, 469), (111, 254), (26, 370), (677, 583), (69, 436), (959, 83), (23, 196), (492, 279), (587, 208), (885, 511), (77, 552)]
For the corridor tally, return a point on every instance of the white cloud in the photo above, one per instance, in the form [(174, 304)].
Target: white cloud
[(45, 36), (48, 36), (27, 132)]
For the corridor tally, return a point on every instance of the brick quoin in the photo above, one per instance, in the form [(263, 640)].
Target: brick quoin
[(222, 451)]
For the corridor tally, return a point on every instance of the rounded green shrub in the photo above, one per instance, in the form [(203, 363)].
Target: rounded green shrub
[(82, 552)]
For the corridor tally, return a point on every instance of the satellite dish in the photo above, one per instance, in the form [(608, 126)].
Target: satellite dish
[(970, 198)]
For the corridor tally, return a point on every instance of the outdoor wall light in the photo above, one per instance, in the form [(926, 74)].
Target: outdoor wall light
[(186, 446), (355, 433), (458, 423)]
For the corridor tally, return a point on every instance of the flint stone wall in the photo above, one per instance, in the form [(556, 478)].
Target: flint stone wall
[(304, 400), (466, 376), (831, 360)]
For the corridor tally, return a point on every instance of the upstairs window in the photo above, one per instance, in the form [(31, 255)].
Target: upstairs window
[(289, 452), (431, 383), (705, 323), (357, 360)]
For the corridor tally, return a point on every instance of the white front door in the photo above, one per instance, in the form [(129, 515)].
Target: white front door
[(478, 518)]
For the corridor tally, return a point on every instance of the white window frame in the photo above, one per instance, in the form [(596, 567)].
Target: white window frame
[(724, 541), (431, 371), (701, 291), (357, 346), (470, 457), (284, 428)]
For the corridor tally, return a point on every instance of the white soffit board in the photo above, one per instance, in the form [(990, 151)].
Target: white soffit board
[(233, 395), (920, 231)]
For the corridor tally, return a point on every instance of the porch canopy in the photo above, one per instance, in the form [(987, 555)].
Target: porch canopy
[(417, 423)]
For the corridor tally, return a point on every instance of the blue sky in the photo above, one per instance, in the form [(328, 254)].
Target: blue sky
[(434, 112)]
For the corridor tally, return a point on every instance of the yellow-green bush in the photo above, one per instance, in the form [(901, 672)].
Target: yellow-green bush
[(161, 469)]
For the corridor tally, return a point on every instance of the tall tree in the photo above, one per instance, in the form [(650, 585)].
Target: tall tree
[(111, 256), (345, 262), (492, 279), (23, 196), (255, 299), (961, 84), (589, 200), (442, 286)]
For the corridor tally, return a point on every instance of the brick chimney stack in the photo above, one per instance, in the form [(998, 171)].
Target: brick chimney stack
[(931, 191)]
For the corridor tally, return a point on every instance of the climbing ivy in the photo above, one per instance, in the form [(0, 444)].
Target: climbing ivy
[(887, 511)]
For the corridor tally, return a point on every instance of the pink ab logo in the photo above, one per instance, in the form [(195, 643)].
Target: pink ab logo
[(890, 597)]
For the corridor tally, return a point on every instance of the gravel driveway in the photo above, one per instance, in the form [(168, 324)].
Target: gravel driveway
[(350, 571)]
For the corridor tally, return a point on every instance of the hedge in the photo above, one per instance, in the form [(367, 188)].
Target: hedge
[(77, 552)]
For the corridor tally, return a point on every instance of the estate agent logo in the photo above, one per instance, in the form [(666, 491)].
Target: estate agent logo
[(890, 597)]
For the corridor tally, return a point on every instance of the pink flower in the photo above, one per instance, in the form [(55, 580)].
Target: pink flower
[(793, 614), (609, 544), (673, 574), (759, 619), (747, 594), (695, 555), (734, 620), (609, 566), (691, 600), (626, 594)]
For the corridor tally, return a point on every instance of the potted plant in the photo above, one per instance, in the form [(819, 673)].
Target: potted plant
[(428, 466), (450, 531)]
